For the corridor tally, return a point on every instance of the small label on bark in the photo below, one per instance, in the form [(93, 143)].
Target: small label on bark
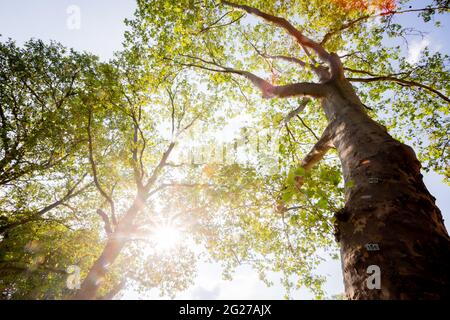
[(374, 180), (366, 197), (372, 246)]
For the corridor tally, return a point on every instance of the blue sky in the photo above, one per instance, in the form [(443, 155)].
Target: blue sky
[(101, 29), (101, 32)]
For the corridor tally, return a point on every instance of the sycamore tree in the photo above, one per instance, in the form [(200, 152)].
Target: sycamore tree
[(127, 170), (334, 77)]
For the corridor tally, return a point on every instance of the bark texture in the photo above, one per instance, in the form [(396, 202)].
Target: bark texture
[(390, 220)]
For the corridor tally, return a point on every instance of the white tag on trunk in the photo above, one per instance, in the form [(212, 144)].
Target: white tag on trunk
[(372, 246)]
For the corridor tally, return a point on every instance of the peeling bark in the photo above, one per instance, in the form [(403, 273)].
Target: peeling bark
[(390, 220)]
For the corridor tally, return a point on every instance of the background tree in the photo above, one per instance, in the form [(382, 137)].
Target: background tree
[(145, 115), (44, 185), (84, 141), (39, 84)]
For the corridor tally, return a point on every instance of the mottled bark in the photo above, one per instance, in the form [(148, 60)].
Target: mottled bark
[(390, 220)]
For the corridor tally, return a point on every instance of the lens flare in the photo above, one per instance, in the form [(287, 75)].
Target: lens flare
[(166, 237)]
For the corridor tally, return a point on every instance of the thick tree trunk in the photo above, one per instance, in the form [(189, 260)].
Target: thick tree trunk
[(390, 220)]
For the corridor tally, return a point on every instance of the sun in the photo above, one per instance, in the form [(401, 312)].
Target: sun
[(166, 237)]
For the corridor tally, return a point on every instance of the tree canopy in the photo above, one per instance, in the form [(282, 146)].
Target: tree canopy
[(83, 142)]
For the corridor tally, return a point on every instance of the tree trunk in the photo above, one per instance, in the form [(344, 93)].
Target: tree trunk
[(116, 242), (97, 273), (390, 220)]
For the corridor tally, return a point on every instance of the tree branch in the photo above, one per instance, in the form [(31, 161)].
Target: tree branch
[(36, 215), (308, 128), (318, 151), (321, 71), (94, 170), (106, 221), (316, 154), (159, 167), (305, 42), (216, 25), (287, 26), (138, 172), (349, 24), (268, 90), (296, 111), (402, 82)]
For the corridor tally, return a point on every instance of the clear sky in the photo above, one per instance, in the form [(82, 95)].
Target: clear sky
[(101, 32)]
